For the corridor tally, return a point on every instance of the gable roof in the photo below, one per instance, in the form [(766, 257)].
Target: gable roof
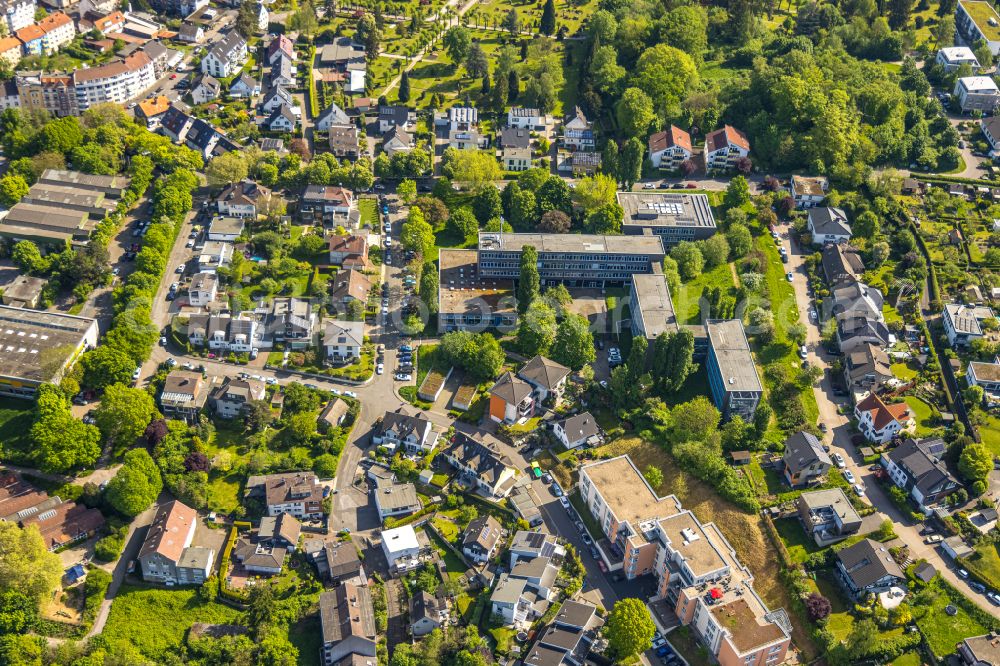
[(399, 134), (918, 458), (168, 530), (281, 44), (283, 111), (802, 450), (543, 372), (246, 80), (853, 324), (404, 424), (829, 221), (867, 359), (346, 612), (867, 562), (881, 413), (484, 532), (675, 136), (334, 114), (334, 411), (515, 137), (225, 49), (511, 389), (725, 137), (351, 283), (580, 426), (841, 263), (343, 332)]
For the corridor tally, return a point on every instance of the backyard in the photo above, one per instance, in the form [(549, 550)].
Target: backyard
[(16, 417)]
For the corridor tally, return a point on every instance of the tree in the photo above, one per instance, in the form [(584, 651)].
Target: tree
[(739, 239), (547, 24), (60, 442), (609, 159), (665, 74), (522, 207), (407, 190), (654, 476), (124, 413), (595, 191), (866, 225), (605, 220), (464, 224), (863, 639), (899, 13), (715, 250), (672, 359), (976, 462), (28, 258), (475, 168), (635, 112), (528, 283), (487, 205), (299, 399), (629, 629), (305, 22), (457, 44), (510, 22), (476, 64), (817, 607), (417, 235), (13, 188), (630, 164), (429, 282), (574, 343), (246, 19), (369, 34), (26, 565), (513, 85), (61, 135), (554, 222), (136, 485), (404, 87), (536, 331), (18, 612), (105, 366), (261, 609), (554, 194), (686, 27), (737, 192), (325, 465), (689, 259)]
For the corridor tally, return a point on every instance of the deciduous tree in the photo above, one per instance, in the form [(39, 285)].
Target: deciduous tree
[(629, 629), (124, 413), (574, 343)]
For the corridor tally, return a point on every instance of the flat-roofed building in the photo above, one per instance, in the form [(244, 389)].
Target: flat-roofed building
[(977, 20), (672, 217), (38, 347), (48, 226), (732, 375), (828, 515), (68, 197), (977, 93), (468, 302), (576, 260), (113, 186), (24, 292), (953, 57), (651, 308)]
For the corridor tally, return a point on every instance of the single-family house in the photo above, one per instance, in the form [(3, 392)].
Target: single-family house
[(347, 626), (482, 538), (333, 414), (225, 228), (427, 613), (866, 368), (515, 147), (915, 466), (395, 116), (880, 422), (282, 119), (868, 567), (259, 557), (244, 86), (184, 395), (511, 399), (527, 545), (350, 285), (828, 515), (329, 205), (526, 118), (205, 89), (842, 264), (281, 531), (396, 499), (855, 328), (804, 459), (828, 225), (343, 141), (809, 191), (577, 131), (203, 289), (397, 140), (546, 377), (481, 464), (401, 548), (280, 47), (342, 340), (987, 377), (297, 493), (414, 433), (191, 33), (241, 200), (859, 299), (332, 115), (577, 430), (964, 323), (235, 395), (350, 251)]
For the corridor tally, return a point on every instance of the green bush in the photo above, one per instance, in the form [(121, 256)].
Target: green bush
[(109, 548)]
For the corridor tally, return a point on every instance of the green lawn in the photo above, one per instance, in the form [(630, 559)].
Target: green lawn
[(686, 301), (369, 213), (924, 414), (990, 434), (154, 621), (446, 528), (454, 565), (942, 631), (16, 417), (223, 491), (799, 544), (985, 562), (904, 371), (907, 659)]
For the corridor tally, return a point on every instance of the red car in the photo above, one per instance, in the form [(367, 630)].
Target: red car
[(691, 186), (173, 76)]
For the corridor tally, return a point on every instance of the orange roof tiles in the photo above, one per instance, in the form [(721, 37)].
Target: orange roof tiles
[(883, 414)]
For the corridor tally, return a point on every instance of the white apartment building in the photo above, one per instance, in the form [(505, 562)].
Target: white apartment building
[(953, 57), (977, 93), (59, 30), (116, 82), (226, 57), (18, 14)]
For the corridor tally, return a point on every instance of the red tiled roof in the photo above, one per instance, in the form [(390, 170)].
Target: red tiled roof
[(167, 533), (53, 21), (883, 414), (105, 22), (727, 136), (30, 33), (675, 136), (8, 43)]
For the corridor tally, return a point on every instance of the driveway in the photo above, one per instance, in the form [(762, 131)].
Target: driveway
[(839, 439)]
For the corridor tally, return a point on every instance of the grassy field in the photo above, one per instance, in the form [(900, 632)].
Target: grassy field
[(686, 301), (155, 620), (943, 632), (907, 659), (16, 417), (369, 213), (990, 433), (799, 544), (924, 414), (985, 561), (904, 371)]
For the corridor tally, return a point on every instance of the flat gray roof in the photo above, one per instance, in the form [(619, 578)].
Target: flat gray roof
[(84, 180), (660, 209), (654, 304), (572, 243), (461, 290), (35, 346), (50, 217), (66, 195), (729, 342)]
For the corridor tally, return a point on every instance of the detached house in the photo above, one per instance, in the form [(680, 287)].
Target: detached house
[(397, 140), (842, 264), (233, 397), (350, 285), (577, 132), (244, 85), (515, 145), (724, 147), (546, 377), (511, 399), (964, 323), (977, 93), (342, 340), (167, 556), (292, 321), (990, 127), (298, 494), (856, 328), (427, 613), (809, 191), (184, 395), (915, 466), (880, 422), (986, 376), (282, 119), (332, 115), (280, 47), (670, 148), (349, 251), (343, 141), (526, 119), (481, 465), (390, 117), (577, 430), (828, 225), (828, 515), (348, 626), (396, 499), (203, 290), (328, 205), (528, 545), (482, 537), (205, 89), (804, 459), (953, 57), (226, 57), (868, 567), (414, 433), (241, 199), (866, 367)]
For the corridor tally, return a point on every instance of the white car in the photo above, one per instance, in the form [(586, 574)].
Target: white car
[(180, 269), (564, 502), (648, 186), (271, 381), (388, 242), (379, 369), (137, 374), (351, 394), (859, 489), (838, 460), (190, 243), (335, 391), (790, 276), (849, 476), (403, 377), (171, 362)]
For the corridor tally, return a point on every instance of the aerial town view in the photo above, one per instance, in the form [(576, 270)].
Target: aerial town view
[(462, 333)]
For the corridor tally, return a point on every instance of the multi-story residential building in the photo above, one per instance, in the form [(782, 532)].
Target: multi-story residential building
[(809, 191), (577, 131), (804, 459), (59, 30), (342, 340), (527, 545), (150, 111), (953, 57), (327, 205), (348, 625), (880, 422), (828, 225), (964, 323), (576, 260), (670, 148), (977, 20), (395, 499), (725, 147), (482, 538), (732, 375), (222, 332), (546, 377), (867, 567), (651, 308), (18, 14), (469, 302), (299, 495), (292, 321), (842, 264), (570, 637), (866, 368), (350, 251), (414, 433), (828, 515), (54, 93), (401, 548), (235, 395), (31, 38), (672, 217), (116, 82), (515, 146), (180, 8), (167, 556), (980, 650), (241, 199), (511, 399), (184, 395), (203, 290), (984, 375), (226, 57), (697, 571), (481, 464), (10, 53), (526, 118), (915, 466), (977, 93)]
